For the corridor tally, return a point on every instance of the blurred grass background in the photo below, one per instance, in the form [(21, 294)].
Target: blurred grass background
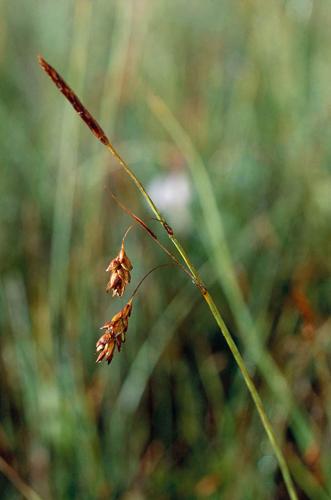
[(223, 110)]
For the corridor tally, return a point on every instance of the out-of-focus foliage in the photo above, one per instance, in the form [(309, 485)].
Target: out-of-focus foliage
[(226, 104)]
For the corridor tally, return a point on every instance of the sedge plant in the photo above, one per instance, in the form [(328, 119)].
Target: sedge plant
[(115, 329)]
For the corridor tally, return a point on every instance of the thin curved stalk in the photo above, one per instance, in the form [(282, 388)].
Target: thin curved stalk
[(217, 248), (254, 393), (101, 136), (152, 235), (154, 209), (23, 488)]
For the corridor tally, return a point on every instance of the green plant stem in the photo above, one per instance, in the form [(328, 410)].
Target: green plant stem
[(142, 224), (223, 328), (254, 393), (217, 248), (154, 208)]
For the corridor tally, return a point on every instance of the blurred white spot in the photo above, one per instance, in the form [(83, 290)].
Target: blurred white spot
[(300, 9), (267, 464), (172, 193)]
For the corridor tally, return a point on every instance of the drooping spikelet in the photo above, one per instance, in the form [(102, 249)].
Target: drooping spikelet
[(119, 269), (114, 335)]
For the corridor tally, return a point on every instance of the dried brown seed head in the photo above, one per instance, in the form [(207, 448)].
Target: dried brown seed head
[(119, 269), (114, 335), (105, 348)]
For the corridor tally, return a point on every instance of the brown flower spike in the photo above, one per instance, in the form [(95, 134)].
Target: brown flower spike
[(74, 101), (119, 269), (114, 335)]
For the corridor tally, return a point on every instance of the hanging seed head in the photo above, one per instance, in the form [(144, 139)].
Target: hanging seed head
[(114, 335), (119, 269), (105, 348)]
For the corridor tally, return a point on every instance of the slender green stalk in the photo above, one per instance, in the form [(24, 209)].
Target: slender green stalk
[(152, 235), (254, 393), (218, 250), (146, 276), (24, 489), (154, 208), (223, 328), (101, 136)]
